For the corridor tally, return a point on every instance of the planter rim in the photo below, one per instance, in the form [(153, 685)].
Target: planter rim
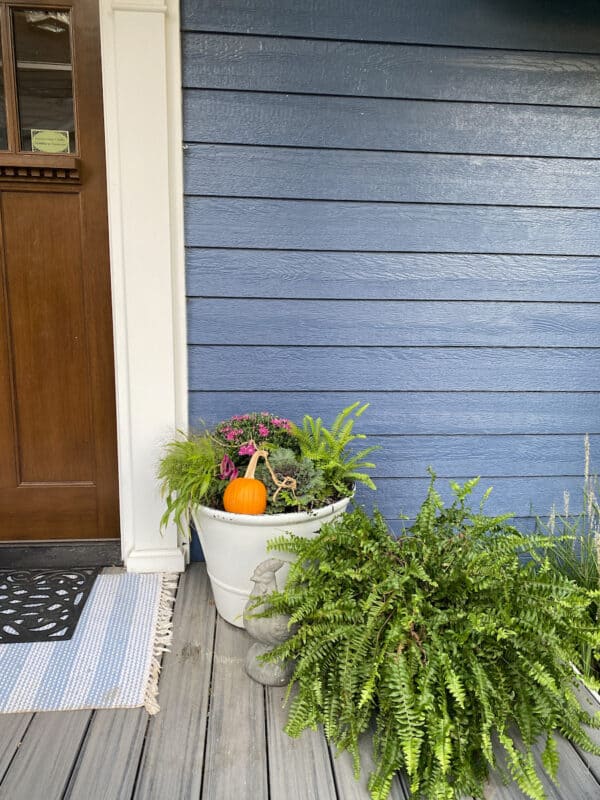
[(273, 519)]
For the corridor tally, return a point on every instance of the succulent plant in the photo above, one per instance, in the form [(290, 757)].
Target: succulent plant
[(310, 491)]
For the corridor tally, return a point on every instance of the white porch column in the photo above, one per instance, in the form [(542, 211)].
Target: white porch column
[(142, 112)]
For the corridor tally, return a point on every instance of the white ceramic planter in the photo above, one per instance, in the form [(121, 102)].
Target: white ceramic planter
[(234, 544)]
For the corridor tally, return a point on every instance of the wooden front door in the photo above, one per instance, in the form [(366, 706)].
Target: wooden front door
[(58, 466)]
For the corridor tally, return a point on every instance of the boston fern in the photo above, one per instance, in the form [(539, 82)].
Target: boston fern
[(329, 449), (454, 646)]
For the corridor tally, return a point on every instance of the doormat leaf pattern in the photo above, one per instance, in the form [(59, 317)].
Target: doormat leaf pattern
[(113, 659), (42, 605)]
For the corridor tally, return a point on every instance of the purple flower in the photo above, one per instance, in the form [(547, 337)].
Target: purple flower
[(228, 469), (247, 449), (279, 422), (263, 430), (233, 433)]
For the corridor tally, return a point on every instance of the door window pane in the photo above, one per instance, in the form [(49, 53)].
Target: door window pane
[(44, 80)]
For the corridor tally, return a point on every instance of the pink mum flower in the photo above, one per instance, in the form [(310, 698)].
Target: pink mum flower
[(228, 469), (263, 430), (247, 449), (279, 422)]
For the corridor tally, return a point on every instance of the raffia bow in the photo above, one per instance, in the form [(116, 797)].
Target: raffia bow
[(286, 483)]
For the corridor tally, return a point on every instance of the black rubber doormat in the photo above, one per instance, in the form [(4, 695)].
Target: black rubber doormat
[(42, 605)]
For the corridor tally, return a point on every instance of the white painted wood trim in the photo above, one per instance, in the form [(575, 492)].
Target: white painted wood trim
[(142, 113)]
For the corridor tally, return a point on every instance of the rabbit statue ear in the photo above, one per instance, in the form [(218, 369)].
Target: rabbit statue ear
[(270, 565)]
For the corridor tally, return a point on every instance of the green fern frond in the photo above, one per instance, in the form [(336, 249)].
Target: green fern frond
[(443, 639), (550, 757), (330, 449)]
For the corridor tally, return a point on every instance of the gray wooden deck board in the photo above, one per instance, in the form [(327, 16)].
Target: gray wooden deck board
[(351, 789), (108, 761), (592, 706), (236, 753), (574, 778), (297, 767), (218, 736), (172, 759), (43, 764), (575, 781), (12, 730)]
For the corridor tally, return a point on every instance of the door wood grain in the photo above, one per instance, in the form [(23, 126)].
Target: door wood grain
[(58, 461)]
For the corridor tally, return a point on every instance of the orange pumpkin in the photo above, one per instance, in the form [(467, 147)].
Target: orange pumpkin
[(247, 495)]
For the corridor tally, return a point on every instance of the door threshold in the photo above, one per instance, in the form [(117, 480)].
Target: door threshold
[(66, 554)]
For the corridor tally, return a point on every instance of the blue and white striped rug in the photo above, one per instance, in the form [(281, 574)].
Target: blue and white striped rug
[(113, 659)]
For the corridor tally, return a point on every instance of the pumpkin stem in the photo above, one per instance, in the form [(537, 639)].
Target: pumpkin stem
[(287, 483), (251, 468)]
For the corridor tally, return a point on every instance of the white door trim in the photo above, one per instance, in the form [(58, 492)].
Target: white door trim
[(142, 112)]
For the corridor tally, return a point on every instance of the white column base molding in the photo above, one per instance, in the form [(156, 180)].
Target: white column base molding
[(156, 561)]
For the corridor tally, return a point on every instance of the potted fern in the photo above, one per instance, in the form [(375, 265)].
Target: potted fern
[(453, 647), (255, 476)]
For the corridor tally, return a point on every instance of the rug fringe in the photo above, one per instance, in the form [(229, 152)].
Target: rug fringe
[(163, 637)]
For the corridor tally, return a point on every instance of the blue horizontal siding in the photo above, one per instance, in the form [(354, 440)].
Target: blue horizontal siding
[(520, 497), (380, 70), (494, 369), (393, 323), (490, 456), (285, 172), (401, 412), (529, 25), (325, 225), (373, 124), (400, 203), (391, 276)]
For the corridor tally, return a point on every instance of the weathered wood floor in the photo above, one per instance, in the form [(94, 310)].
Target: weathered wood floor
[(218, 736)]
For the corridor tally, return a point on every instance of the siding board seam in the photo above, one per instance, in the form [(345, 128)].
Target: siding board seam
[(397, 347), (395, 252), (386, 99), (345, 201), (402, 391), (391, 300), (400, 43), (209, 248), (530, 156), (484, 477)]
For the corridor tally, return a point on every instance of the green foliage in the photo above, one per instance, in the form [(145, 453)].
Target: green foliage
[(189, 475), (197, 467), (310, 484), (445, 638), (576, 553), (330, 450)]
